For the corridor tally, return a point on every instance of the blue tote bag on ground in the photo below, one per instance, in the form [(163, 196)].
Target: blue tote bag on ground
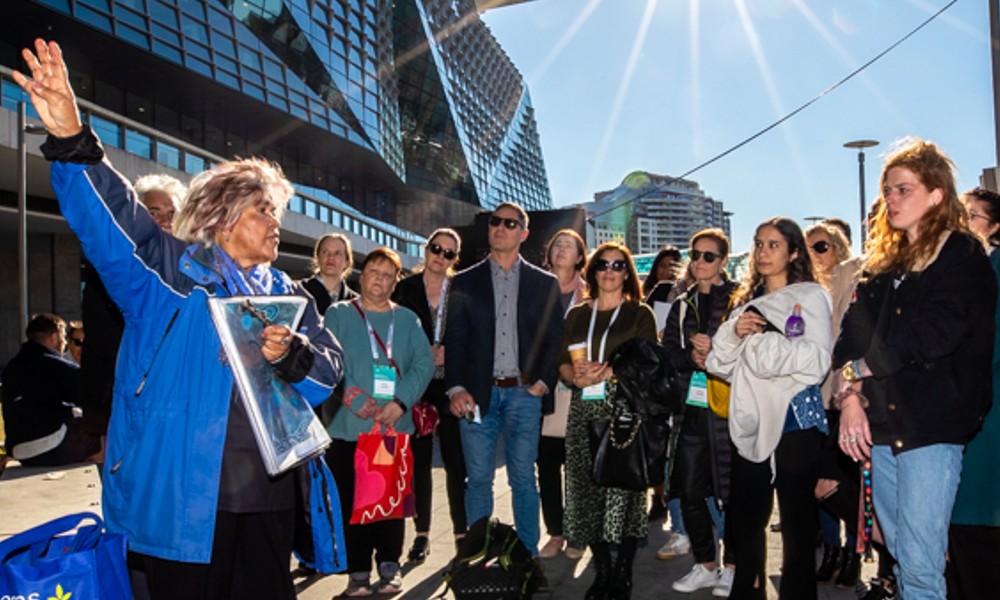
[(42, 563)]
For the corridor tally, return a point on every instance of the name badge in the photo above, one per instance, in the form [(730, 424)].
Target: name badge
[(384, 382), (594, 392), (698, 390)]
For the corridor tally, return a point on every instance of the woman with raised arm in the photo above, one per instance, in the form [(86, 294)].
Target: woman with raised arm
[(184, 480)]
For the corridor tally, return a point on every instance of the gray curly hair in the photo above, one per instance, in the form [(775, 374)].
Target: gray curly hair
[(218, 197)]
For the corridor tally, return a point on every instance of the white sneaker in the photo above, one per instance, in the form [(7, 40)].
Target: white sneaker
[(698, 578), (725, 585), (677, 545)]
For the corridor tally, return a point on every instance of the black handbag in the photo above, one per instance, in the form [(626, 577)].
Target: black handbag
[(629, 448), (622, 453)]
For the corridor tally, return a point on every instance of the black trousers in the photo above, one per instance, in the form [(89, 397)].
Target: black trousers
[(250, 554), (797, 467), (551, 457), (384, 538), (423, 484), (693, 475), (972, 558), (450, 441)]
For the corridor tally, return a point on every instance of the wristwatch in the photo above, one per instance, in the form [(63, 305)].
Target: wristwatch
[(850, 372)]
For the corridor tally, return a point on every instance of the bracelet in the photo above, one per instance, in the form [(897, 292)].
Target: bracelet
[(839, 397), (399, 403)]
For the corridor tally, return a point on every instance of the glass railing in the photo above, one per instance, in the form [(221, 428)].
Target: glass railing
[(143, 141)]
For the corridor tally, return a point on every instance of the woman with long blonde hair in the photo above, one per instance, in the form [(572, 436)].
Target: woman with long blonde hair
[(914, 354)]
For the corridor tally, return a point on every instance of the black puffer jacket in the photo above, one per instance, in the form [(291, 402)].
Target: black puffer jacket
[(687, 317)]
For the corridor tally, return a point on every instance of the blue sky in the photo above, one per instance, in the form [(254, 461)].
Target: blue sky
[(664, 85)]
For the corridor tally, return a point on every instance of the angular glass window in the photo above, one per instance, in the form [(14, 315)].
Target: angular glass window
[(168, 155), (139, 144), (193, 164), (193, 29)]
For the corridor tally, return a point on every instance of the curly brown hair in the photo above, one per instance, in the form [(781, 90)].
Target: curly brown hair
[(889, 249)]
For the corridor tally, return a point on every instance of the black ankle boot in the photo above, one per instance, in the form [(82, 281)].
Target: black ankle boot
[(602, 564), (621, 580), (850, 570), (829, 564)]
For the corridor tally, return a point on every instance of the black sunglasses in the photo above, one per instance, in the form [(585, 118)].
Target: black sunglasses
[(708, 256), (76, 341), (820, 247), (495, 221), (437, 249), (615, 265)]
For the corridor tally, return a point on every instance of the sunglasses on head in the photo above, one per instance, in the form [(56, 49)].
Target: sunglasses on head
[(708, 256), (495, 221), (437, 249), (76, 341), (820, 247), (615, 265)]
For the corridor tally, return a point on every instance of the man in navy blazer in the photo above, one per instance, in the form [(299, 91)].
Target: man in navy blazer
[(504, 328)]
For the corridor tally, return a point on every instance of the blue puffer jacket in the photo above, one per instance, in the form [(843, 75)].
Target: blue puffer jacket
[(172, 389)]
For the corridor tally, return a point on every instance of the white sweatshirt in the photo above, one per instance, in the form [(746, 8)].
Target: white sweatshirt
[(766, 370)]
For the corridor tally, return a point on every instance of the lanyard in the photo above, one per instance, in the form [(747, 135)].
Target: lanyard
[(439, 315), (375, 339), (604, 338)]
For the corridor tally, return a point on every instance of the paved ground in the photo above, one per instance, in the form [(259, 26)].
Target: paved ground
[(28, 501), (568, 579)]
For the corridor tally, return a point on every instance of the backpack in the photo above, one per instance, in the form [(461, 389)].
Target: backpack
[(493, 564)]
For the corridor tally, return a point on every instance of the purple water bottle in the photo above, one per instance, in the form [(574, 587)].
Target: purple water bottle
[(795, 326)]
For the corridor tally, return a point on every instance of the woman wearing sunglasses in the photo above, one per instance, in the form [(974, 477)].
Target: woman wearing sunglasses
[(701, 468), (425, 292), (914, 358), (775, 351), (601, 516), (827, 248)]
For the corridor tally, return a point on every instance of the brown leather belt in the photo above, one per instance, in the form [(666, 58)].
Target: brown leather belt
[(506, 382)]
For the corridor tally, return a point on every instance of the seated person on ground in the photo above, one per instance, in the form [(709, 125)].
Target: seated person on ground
[(40, 390)]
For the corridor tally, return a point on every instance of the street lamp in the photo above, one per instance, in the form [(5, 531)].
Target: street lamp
[(861, 145), (23, 129)]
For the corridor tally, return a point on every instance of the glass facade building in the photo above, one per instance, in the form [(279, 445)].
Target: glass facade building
[(407, 111)]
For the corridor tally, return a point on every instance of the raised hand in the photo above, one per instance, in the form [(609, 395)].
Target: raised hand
[(49, 89)]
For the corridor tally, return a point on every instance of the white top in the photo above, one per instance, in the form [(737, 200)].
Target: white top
[(766, 370)]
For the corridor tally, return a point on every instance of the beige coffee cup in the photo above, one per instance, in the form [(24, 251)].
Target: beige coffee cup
[(578, 351)]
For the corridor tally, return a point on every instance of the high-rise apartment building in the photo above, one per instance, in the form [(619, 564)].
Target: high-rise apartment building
[(648, 211)]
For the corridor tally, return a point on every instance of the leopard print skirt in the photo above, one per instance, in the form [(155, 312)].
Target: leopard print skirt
[(595, 513)]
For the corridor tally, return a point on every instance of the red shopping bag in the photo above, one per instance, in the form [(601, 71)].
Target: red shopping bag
[(383, 477)]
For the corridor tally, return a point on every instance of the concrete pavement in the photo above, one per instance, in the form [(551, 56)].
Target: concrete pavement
[(29, 501), (568, 579)]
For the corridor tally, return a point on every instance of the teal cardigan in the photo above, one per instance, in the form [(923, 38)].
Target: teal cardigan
[(978, 499), (410, 350)]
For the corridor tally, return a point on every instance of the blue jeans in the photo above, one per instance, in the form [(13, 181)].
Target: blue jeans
[(517, 416), (913, 494)]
